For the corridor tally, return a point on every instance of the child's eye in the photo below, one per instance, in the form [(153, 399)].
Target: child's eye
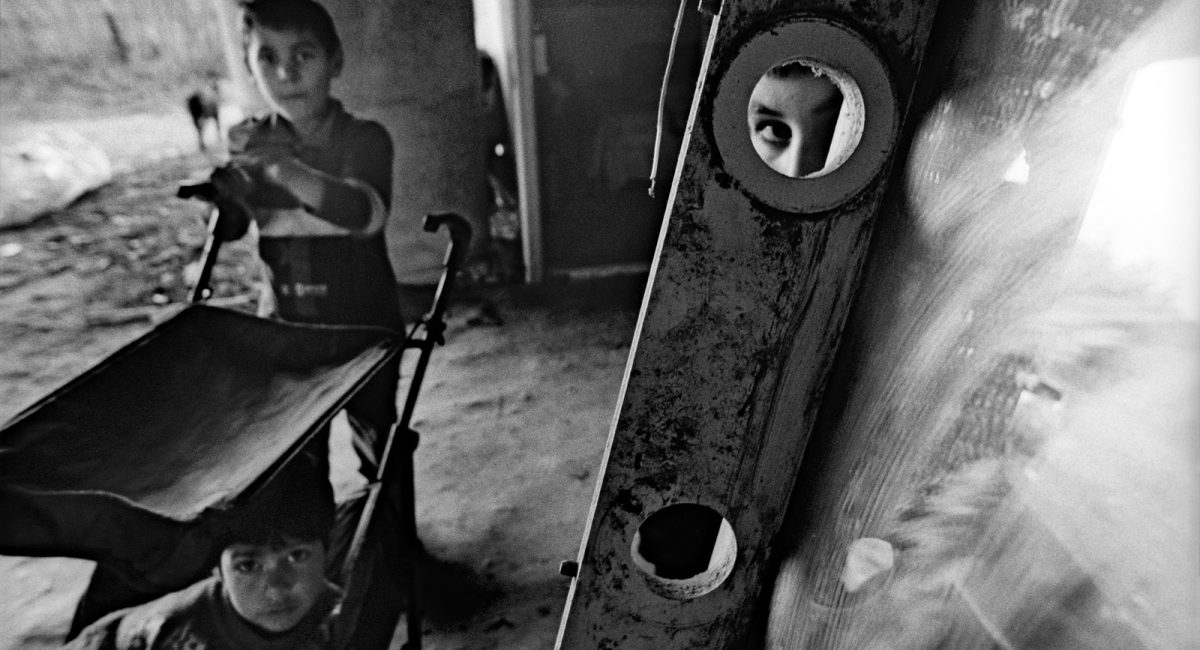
[(299, 555), (245, 566), (304, 56), (773, 131), (268, 57)]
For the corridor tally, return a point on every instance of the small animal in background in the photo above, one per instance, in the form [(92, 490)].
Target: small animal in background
[(204, 107)]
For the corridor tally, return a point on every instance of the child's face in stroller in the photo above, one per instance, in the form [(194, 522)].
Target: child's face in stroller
[(274, 586)]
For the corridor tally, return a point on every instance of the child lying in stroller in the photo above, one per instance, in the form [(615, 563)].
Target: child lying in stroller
[(268, 590)]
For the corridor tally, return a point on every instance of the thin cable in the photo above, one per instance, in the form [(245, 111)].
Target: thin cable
[(662, 95)]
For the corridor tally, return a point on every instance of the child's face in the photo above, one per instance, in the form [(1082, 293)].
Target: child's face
[(792, 121), (274, 587), (293, 71)]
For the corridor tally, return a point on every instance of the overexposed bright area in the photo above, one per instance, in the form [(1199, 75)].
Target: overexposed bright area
[(1146, 209)]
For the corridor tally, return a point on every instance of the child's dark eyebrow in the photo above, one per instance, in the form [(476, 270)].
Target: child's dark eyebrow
[(762, 109), (307, 42)]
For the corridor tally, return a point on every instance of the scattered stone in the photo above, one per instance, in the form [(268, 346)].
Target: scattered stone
[(580, 473), (46, 172)]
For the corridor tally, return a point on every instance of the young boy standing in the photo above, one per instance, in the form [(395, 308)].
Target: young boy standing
[(317, 181)]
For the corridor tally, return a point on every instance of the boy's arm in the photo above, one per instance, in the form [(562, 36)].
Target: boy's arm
[(370, 159), (356, 201)]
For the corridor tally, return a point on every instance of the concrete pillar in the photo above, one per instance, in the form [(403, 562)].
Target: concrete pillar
[(239, 97), (411, 65)]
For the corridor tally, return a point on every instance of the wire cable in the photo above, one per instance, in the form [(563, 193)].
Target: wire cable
[(662, 95)]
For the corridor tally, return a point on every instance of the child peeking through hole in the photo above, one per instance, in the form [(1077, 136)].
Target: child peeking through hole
[(792, 115)]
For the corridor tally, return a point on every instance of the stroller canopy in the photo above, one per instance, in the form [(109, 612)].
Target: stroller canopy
[(129, 461)]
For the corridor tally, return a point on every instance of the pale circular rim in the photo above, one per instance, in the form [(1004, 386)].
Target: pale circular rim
[(843, 51), (725, 551)]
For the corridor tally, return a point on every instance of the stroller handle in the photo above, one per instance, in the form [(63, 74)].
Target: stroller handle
[(456, 254), (460, 234), (203, 190)]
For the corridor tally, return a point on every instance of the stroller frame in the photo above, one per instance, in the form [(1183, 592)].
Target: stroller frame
[(393, 473), (396, 462)]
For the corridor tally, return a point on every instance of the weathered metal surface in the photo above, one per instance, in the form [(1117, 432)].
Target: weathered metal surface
[(735, 340), (1000, 389)]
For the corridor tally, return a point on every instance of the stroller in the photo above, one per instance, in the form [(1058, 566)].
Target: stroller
[(135, 443)]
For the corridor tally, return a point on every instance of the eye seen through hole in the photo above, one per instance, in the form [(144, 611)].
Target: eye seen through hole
[(797, 119)]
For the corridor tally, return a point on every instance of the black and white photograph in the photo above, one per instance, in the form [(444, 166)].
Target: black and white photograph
[(599, 324)]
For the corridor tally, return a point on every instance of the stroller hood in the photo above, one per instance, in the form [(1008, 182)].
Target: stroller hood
[(135, 461)]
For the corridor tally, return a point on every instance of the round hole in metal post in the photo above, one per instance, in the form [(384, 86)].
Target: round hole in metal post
[(805, 115), (804, 118), (684, 550)]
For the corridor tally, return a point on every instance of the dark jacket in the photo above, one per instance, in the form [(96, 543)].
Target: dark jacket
[(201, 618)]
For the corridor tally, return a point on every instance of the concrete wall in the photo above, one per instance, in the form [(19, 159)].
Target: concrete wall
[(412, 66), (40, 32)]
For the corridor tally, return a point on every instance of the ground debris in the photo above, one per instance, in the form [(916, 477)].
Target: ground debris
[(157, 313)]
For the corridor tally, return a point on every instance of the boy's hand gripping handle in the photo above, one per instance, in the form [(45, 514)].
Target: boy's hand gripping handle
[(228, 219)]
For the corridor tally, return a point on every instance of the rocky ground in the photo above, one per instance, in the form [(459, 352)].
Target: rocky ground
[(513, 415)]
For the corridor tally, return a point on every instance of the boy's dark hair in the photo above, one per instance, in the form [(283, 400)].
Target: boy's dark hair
[(296, 503), (298, 15), (794, 70)]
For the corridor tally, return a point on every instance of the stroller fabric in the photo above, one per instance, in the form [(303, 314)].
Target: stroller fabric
[(141, 460)]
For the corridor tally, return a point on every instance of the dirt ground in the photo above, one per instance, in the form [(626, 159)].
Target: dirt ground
[(513, 416)]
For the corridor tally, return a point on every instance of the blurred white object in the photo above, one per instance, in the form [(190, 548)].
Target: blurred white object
[(48, 171), (866, 558)]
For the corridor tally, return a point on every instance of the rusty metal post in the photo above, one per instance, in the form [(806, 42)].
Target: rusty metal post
[(751, 284)]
